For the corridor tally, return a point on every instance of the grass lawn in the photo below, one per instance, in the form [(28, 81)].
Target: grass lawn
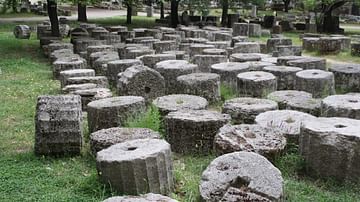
[(26, 74), (17, 15)]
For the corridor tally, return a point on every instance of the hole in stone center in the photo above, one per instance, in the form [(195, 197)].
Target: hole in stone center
[(147, 89), (350, 67), (353, 101), (289, 120), (315, 73), (340, 126), (239, 183), (131, 148), (257, 75)]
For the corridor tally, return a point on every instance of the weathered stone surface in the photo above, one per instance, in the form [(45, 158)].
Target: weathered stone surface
[(256, 83), (58, 128), (241, 176), (171, 69), (355, 49), (180, 55), (100, 81), (283, 60), (317, 82), (65, 75), (141, 81), (65, 63), (309, 63), (282, 97), (245, 109), (204, 62), (151, 60), (240, 29), (106, 54), (114, 111), (228, 71), (251, 138), (100, 64), (74, 87), (82, 44), (144, 164), (288, 122), (193, 131), (273, 42), (258, 65), (330, 147), (197, 49), (150, 197), (220, 44), (307, 105), (327, 45), (136, 52), (59, 45), (99, 48), (105, 138), (254, 30), (61, 53), (206, 85), (244, 57), (214, 51), (287, 50), (22, 32), (347, 77), (162, 46), (285, 76), (347, 106), (310, 43), (91, 94), (117, 66), (246, 47), (176, 102)]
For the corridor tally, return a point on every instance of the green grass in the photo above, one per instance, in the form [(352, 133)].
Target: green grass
[(151, 119), (344, 56), (227, 92), (17, 15), (25, 74)]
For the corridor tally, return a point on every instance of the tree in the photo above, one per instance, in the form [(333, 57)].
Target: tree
[(174, 16), (82, 17), (286, 5), (130, 4), (225, 11), (53, 16)]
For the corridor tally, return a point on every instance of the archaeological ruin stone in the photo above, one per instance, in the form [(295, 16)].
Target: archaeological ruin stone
[(117, 66), (105, 138), (206, 85), (228, 71), (265, 141), (193, 131), (287, 50), (287, 122), (285, 76), (220, 44), (141, 81), (162, 46), (171, 69), (62, 64), (273, 42), (240, 29), (134, 53), (244, 57), (58, 128), (283, 60), (317, 82), (100, 81), (347, 106), (204, 62), (309, 63), (151, 60), (176, 102), (142, 198), (307, 105), (329, 45), (91, 94), (60, 45), (65, 75), (180, 55), (241, 176), (282, 97), (258, 65), (347, 77), (96, 55), (144, 164), (100, 64), (246, 47), (74, 87), (214, 51), (22, 32), (99, 48), (310, 43), (197, 49), (330, 147), (256, 83), (82, 44), (245, 109), (355, 48), (114, 111), (60, 54)]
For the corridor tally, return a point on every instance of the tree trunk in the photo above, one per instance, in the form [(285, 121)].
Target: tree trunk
[(162, 10), (224, 15), (53, 16), (82, 12), (286, 5), (174, 13), (328, 25), (128, 14), (14, 5)]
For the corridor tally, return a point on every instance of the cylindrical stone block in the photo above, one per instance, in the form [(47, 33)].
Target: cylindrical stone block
[(117, 66), (256, 83), (347, 77), (204, 62), (317, 82), (228, 72), (347, 106), (62, 64), (65, 75), (285, 76)]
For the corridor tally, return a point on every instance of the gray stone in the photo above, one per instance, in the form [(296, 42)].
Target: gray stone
[(246, 47), (214, 51), (251, 138), (59, 45), (74, 87), (287, 50), (180, 55), (228, 72), (82, 44), (134, 53), (61, 53), (309, 63), (283, 60), (204, 62), (100, 81), (100, 64), (254, 30), (241, 176), (245, 109), (317, 82), (99, 48), (244, 57), (65, 75), (105, 138), (141, 81), (273, 42), (114, 111), (197, 49), (329, 45), (256, 83), (163, 46), (171, 69), (91, 94), (150, 197), (176, 102), (151, 60), (282, 97), (144, 164), (193, 131), (206, 85), (285, 76), (58, 128), (240, 29), (347, 77), (117, 66), (347, 106), (220, 44), (330, 147), (288, 122), (22, 32), (310, 43), (105, 54), (258, 65), (66, 63)]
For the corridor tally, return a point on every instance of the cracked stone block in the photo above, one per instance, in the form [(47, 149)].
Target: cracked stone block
[(241, 176), (163, 46), (91, 94), (317, 82), (286, 76), (347, 106), (273, 42), (58, 128), (347, 77), (309, 63), (151, 60), (193, 131), (228, 71), (144, 164), (100, 81), (245, 109), (214, 51), (246, 47), (117, 66), (67, 63), (197, 49), (74, 87), (65, 75), (204, 62), (256, 83), (100, 64), (114, 111)]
